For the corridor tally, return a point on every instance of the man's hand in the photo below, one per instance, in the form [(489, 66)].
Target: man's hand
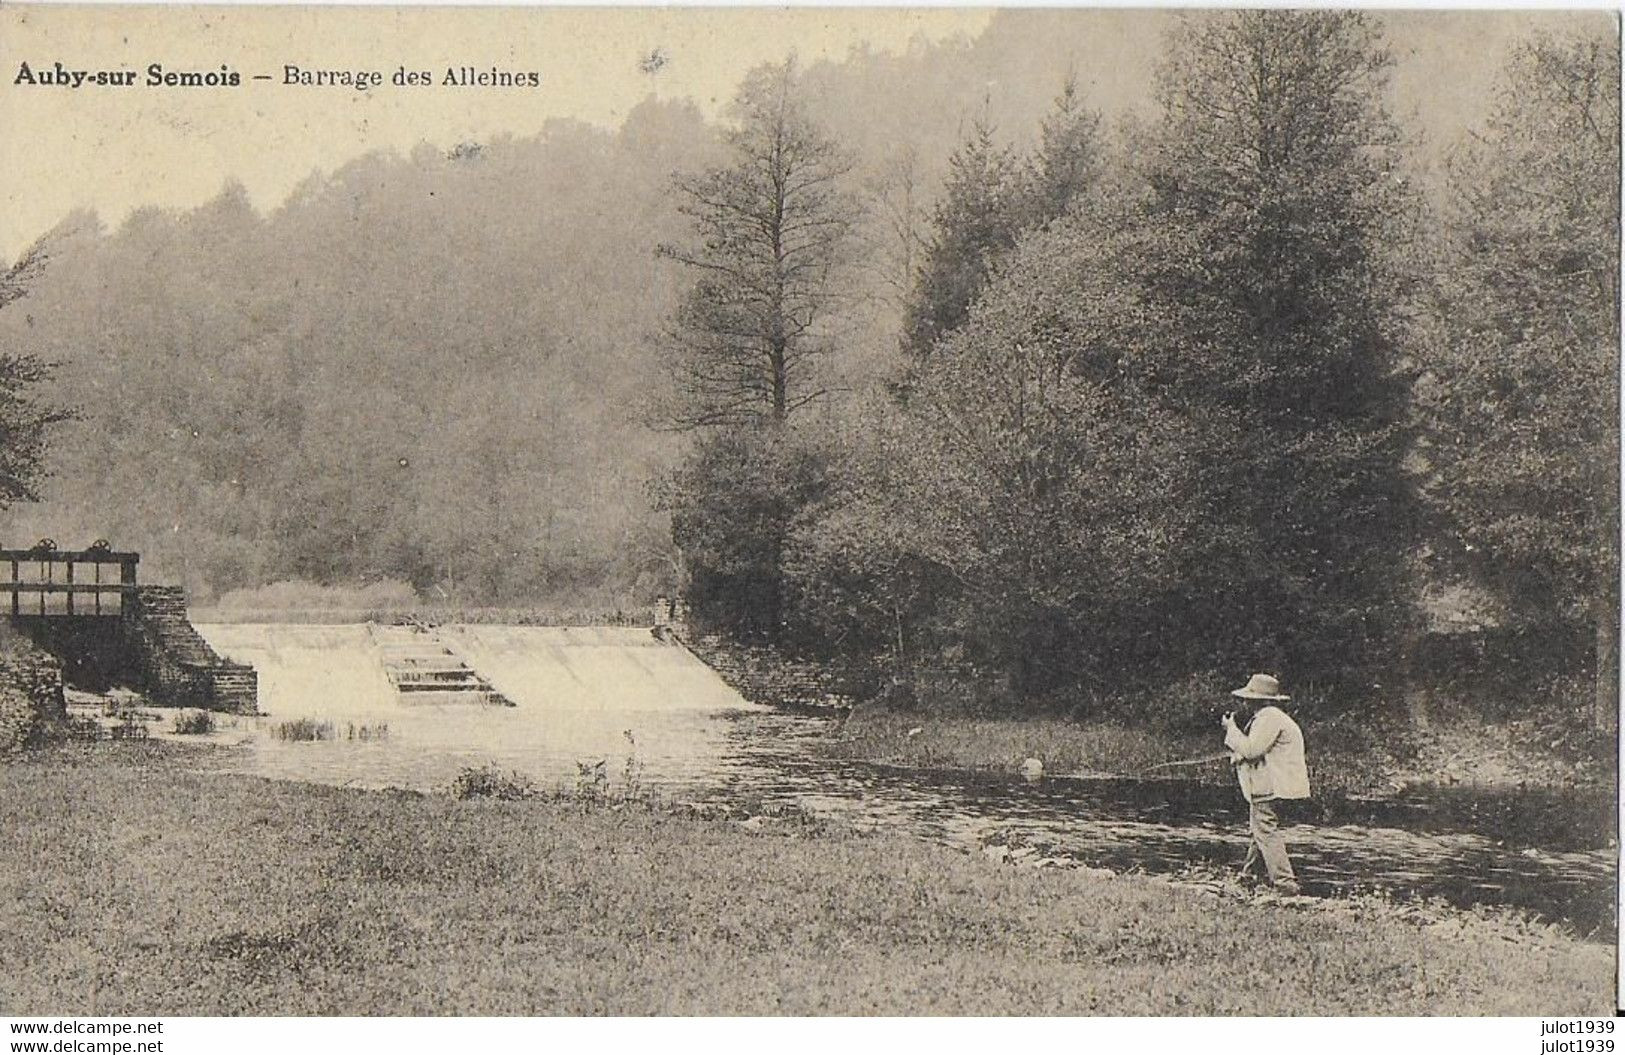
[(1228, 722)]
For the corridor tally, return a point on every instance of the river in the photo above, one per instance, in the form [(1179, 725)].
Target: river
[(656, 716)]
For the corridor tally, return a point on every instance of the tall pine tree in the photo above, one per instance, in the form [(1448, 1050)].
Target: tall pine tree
[(770, 234), (976, 222), (1069, 158), (770, 227), (992, 197)]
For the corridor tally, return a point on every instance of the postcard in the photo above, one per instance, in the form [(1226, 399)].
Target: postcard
[(834, 512)]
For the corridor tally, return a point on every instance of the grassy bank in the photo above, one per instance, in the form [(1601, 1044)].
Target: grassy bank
[(132, 882), (1344, 755)]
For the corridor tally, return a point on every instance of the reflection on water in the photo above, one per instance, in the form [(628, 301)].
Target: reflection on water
[(580, 691)]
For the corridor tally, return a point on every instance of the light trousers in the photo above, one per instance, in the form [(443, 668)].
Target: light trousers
[(1264, 824)]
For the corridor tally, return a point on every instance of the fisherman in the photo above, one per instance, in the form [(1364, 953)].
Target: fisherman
[(1266, 747)]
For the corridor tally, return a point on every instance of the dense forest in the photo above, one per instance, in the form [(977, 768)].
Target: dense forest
[(901, 364), (418, 369)]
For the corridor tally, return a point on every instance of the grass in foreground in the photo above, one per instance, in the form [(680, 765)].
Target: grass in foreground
[(132, 884)]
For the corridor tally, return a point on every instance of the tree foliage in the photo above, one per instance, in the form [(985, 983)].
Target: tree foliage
[(1276, 189), (734, 502), (1032, 508), (976, 221), (1521, 395), (26, 418), (1069, 159), (420, 368), (771, 233), (1171, 432), (992, 195), (769, 227)]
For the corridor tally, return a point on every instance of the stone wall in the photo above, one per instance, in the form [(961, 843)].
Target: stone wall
[(31, 698), (175, 666), (761, 674)]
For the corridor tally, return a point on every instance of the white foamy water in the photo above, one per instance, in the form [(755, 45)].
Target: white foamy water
[(578, 692), (331, 672), (591, 668)]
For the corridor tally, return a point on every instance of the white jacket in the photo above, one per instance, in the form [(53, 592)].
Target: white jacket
[(1269, 757)]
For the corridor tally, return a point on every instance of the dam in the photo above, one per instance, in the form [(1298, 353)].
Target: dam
[(341, 670), (578, 695), (85, 609)]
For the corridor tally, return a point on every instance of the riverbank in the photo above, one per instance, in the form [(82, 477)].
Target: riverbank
[(1345, 756), (135, 880)]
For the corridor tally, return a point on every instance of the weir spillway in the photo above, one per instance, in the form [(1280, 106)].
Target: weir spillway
[(579, 695), (344, 670)]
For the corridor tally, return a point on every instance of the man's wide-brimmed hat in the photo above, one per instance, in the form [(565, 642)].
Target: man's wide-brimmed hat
[(1260, 687)]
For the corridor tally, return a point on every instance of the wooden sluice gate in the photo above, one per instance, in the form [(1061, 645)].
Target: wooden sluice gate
[(86, 607), (45, 581), (422, 668)]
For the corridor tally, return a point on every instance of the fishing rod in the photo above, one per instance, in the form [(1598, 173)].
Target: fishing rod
[(1203, 760), (1137, 773)]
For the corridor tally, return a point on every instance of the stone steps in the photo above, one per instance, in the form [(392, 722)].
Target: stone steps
[(424, 668), (177, 664), (761, 674)]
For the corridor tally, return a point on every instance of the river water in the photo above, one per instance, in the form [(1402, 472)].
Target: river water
[(654, 715)]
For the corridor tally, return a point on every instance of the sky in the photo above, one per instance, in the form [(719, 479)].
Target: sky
[(112, 149)]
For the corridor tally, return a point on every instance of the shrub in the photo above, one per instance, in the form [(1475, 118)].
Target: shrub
[(123, 706), (82, 728), (130, 728), (302, 729), (352, 731), (190, 723), (592, 779), (490, 782), (632, 771)]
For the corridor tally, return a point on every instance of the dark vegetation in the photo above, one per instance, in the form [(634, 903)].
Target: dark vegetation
[(26, 418), (491, 782), (1010, 393), (1236, 393), (301, 730), (191, 723)]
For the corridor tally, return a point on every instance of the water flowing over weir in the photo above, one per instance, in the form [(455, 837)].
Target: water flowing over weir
[(592, 668), (331, 672), (336, 672), (578, 692)]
